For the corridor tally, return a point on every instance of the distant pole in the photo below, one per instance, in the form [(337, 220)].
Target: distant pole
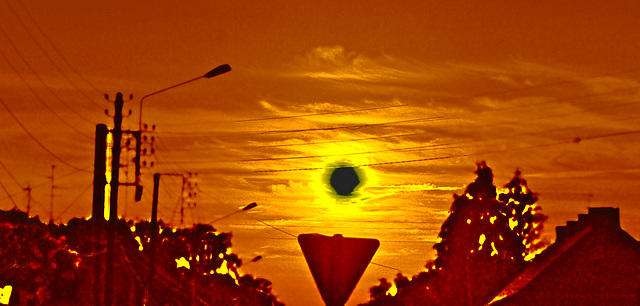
[(154, 235), (53, 167), (28, 190), (99, 169)]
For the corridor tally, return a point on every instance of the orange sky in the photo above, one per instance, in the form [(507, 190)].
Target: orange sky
[(414, 92)]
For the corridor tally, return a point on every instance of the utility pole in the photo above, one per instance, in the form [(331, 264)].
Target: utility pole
[(99, 177), (189, 193), (113, 201), (154, 236), (99, 183), (115, 162), (97, 212)]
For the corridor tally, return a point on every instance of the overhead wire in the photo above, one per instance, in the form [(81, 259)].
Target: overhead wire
[(35, 74), (490, 111), (477, 95), (99, 92), (74, 201), (290, 234), (47, 54), (574, 140), (430, 146), (44, 183), (446, 145), (38, 141), (33, 91), (169, 160), (422, 147), (323, 113), (15, 205), (608, 93), (336, 141), (353, 126), (10, 174)]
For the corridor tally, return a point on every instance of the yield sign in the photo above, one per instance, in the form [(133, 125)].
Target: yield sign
[(337, 263)]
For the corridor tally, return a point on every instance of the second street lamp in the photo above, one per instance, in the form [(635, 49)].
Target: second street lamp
[(249, 206)]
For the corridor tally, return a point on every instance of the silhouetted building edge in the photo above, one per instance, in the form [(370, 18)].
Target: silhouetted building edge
[(593, 262)]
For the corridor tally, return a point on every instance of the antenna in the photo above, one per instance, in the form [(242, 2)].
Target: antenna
[(53, 167), (28, 190)]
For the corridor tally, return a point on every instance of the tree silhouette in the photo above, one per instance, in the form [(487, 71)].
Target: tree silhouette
[(527, 218), (43, 263), (482, 246), (212, 272), (39, 266)]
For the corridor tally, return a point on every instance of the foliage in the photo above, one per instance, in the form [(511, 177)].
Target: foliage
[(212, 267), (38, 265), (483, 244), (43, 262)]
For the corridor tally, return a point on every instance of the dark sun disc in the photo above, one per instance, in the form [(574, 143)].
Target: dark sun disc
[(344, 180)]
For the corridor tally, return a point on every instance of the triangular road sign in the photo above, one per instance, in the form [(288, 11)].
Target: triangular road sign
[(337, 263)]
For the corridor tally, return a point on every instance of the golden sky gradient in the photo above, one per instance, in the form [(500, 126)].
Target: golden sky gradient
[(413, 92)]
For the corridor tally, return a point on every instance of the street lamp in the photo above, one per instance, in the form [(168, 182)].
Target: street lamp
[(250, 206), (214, 72)]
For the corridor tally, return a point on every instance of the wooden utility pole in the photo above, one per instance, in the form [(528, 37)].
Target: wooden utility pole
[(97, 211), (115, 162), (113, 201), (154, 236), (99, 169)]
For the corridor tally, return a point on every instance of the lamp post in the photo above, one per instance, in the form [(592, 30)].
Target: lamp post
[(224, 68), (156, 178), (214, 72)]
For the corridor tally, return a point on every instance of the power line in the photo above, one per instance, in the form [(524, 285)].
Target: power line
[(324, 113), (168, 160), (447, 145), (8, 194), (495, 110), (354, 126), (46, 54), (281, 230), (477, 95), (574, 140), (608, 93), (56, 49), (423, 147), (48, 182), (39, 143), (74, 201), (337, 141), (11, 175), (384, 266), (33, 91), (39, 79)]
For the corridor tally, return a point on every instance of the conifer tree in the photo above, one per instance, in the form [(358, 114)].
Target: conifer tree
[(483, 244)]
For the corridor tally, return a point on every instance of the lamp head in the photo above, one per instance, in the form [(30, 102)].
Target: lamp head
[(250, 206), (218, 71)]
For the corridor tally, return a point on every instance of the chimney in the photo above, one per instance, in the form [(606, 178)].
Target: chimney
[(598, 217), (560, 233), (605, 216)]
